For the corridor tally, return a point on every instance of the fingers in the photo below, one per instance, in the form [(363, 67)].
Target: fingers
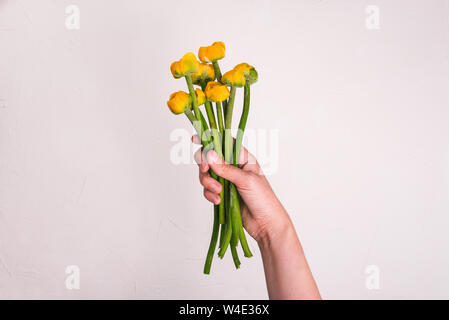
[(212, 197), (246, 161), (227, 171), (201, 161), (210, 183), (212, 187)]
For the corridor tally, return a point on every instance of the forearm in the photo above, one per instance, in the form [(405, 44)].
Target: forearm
[(287, 273)]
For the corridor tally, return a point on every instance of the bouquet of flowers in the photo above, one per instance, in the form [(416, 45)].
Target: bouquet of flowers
[(216, 135)]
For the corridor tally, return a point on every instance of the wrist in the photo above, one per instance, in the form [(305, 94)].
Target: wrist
[(276, 231)]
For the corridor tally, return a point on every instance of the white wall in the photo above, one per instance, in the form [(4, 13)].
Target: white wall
[(85, 171)]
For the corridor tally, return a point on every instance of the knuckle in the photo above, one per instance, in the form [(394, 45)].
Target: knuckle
[(224, 169), (203, 179), (249, 181)]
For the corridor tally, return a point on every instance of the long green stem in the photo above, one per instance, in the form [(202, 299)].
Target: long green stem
[(213, 242), (227, 236), (215, 230), (228, 158), (235, 257), (238, 146), (219, 151), (242, 124), (235, 215), (222, 234), (193, 96), (196, 124), (219, 117), (206, 131), (214, 129), (217, 71), (228, 122), (237, 225)]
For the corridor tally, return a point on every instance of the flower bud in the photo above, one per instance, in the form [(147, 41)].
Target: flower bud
[(200, 97), (204, 73), (234, 78), (249, 72), (212, 53), (178, 102), (216, 91), (187, 65)]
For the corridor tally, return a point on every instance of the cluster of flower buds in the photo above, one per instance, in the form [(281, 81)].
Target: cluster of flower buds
[(218, 89)]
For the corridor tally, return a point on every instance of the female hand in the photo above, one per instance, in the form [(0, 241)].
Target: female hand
[(262, 212), (287, 272)]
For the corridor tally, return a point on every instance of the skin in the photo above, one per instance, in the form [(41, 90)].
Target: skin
[(287, 272)]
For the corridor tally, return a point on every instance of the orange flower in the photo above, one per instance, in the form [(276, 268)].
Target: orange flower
[(178, 102), (187, 65), (212, 53), (216, 92), (234, 78), (204, 73)]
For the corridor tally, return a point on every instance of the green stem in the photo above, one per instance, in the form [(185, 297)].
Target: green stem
[(228, 122), (213, 243), (222, 234), (242, 124), (247, 252), (219, 117), (227, 237), (235, 215), (206, 131), (213, 127), (196, 124), (228, 158), (219, 151), (217, 71), (238, 146), (235, 257), (203, 85), (237, 225), (193, 96)]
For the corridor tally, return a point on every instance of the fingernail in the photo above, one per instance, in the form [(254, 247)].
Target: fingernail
[(212, 156), (217, 200)]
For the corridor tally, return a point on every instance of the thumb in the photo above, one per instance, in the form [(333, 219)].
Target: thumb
[(225, 170)]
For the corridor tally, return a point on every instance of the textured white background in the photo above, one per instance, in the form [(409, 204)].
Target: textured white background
[(85, 173)]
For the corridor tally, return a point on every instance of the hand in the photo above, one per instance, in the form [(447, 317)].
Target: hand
[(262, 212), (287, 272)]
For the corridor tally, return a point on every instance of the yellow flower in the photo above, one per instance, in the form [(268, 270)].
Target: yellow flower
[(212, 53), (244, 67), (249, 72), (178, 102), (188, 64), (216, 91), (200, 97), (205, 72), (234, 78)]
